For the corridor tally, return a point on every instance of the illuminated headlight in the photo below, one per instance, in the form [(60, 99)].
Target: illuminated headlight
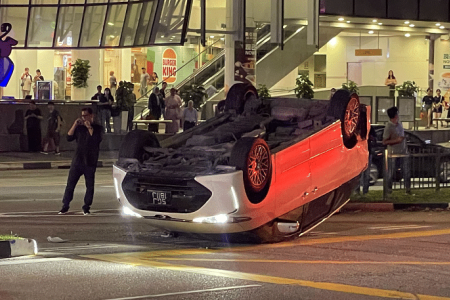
[(128, 212), (219, 219)]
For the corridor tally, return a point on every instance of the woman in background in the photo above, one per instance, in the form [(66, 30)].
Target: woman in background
[(437, 107), (173, 111), (391, 82)]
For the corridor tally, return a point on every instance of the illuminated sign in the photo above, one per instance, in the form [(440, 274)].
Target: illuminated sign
[(169, 65), (6, 64), (368, 52)]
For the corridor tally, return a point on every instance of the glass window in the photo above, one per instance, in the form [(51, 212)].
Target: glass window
[(91, 33), (114, 24), (5, 2), (69, 26), (169, 29), (44, 1), (72, 2), (15, 16), (98, 1), (144, 26), (42, 26), (131, 22)]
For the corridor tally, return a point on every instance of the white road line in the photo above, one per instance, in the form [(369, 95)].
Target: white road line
[(85, 247), (29, 200), (32, 261), (188, 292)]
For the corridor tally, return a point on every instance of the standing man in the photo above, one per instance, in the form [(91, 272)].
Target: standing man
[(33, 117), (144, 79), (88, 137), (162, 94), (394, 138), (103, 108), (53, 128), (26, 82)]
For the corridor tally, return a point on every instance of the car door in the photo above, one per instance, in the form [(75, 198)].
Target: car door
[(292, 177)]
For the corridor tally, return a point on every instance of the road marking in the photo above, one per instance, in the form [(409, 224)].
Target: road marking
[(331, 262), (29, 200), (54, 213), (335, 287), (32, 261), (12, 185), (399, 227), (189, 292)]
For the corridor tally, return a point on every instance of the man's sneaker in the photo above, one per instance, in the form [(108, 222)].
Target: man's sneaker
[(86, 212), (57, 153), (63, 211), (44, 152)]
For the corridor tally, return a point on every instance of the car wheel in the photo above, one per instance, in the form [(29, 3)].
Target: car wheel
[(346, 107), (444, 171), (237, 96), (134, 142), (373, 177), (252, 156)]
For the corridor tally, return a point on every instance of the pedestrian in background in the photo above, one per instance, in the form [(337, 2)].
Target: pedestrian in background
[(427, 105), (153, 80), (394, 138), (103, 108), (364, 179), (173, 111), (26, 83), (155, 109), (112, 83), (33, 117), (88, 136), (162, 95), (54, 123), (438, 103), (190, 116), (144, 79), (391, 81), (37, 77)]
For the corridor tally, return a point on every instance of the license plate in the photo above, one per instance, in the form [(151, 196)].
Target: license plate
[(159, 197)]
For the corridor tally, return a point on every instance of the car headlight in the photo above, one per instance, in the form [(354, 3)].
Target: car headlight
[(128, 212), (218, 219)]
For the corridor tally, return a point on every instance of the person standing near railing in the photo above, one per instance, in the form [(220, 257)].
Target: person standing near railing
[(173, 111), (394, 138), (428, 106), (144, 79)]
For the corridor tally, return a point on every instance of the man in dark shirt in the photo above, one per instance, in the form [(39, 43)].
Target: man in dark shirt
[(104, 108), (88, 137)]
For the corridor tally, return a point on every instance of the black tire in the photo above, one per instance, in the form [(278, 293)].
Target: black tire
[(252, 156), (134, 142), (237, 95), (345, 107)]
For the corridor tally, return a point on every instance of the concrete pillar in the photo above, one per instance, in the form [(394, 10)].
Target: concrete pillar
[(95, 58), (126, 65), (230, 44)]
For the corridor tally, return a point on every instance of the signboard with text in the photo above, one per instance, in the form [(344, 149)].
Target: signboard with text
[(44, 90), (169, 65), (245, 58)]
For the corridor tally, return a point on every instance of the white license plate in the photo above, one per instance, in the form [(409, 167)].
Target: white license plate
[(159, 197)]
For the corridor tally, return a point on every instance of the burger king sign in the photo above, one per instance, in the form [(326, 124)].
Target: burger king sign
[(169, 65)]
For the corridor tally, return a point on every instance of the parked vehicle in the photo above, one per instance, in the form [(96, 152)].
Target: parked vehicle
[(424, 159), (266, 172)]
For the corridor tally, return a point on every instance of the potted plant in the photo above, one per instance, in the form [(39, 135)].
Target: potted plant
[(303, 87), (196, 93), (351, 86), (407, 89), (123, 108), (80, 73), (263, 92)]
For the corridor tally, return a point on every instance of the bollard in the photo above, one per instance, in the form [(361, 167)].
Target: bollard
[(385, 175)]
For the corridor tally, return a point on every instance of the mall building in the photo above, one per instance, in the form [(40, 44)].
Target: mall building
[(209, 42)]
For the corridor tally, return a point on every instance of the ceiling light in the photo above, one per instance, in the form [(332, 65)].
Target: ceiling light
[(341, 19), (284, 26), (211, 36), (438, 24), (406, 22), (380, 23), (111, 36), (223, 39), (411, 25), (348, 21), (374, 20), (442, 27), (407, 35), (110, 23), (371, 32)]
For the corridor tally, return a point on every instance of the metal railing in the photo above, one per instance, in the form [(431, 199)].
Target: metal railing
[(428, 168)]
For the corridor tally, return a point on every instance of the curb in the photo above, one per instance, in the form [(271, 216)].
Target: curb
[(383, 207), (65, 164), (19, 247)]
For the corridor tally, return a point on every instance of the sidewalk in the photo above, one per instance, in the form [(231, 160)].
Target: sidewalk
[(27, 160)]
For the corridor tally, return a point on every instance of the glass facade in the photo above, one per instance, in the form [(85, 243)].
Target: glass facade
[(47, 24)]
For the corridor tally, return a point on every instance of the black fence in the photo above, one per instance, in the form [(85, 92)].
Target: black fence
[(428, 167)]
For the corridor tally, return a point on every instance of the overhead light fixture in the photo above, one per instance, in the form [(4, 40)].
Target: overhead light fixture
[(380, 23), (211, 36), (111, 36), (341, 19), (407, 35), (438, 24), (371, 32), (442, 27), (223, 39), (406, 22), (348, 21), (411, 25), (284, 26), (374, 20), (110, 23)]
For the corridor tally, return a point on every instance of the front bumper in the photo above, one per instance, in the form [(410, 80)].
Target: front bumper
[(227, 209)]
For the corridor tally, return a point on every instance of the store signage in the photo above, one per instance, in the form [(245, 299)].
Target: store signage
[(368, 52), (6, 64), (169, 65), (245, 58)]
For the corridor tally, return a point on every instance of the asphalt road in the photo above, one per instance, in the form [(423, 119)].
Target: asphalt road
[(401, 255)]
